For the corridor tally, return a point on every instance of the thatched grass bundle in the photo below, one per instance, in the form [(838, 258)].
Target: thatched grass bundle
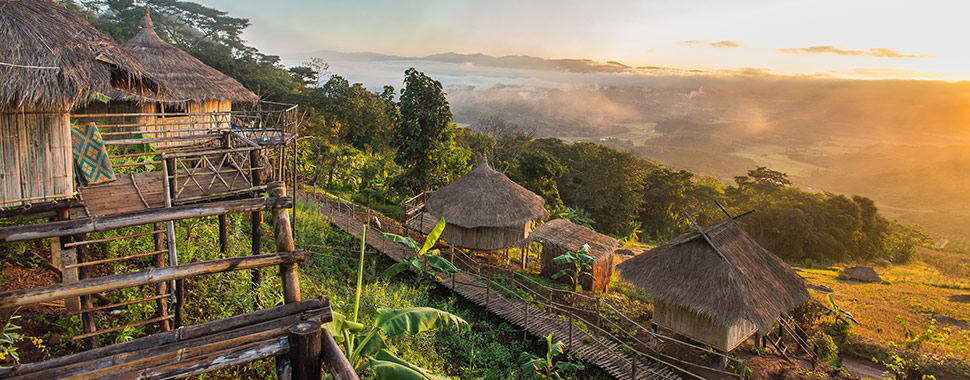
[(753, 284), (185, 77), (52, 59), (571, 237), (486, 198)]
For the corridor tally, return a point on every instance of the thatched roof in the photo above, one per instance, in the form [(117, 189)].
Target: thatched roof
[(485, 198), (756, 285), (571, 237), (862, 273), (52, 59), (184, 76)]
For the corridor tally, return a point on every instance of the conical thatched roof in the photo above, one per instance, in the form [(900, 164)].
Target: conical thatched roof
[(485, 198), (571, 237), (184, 76), (52, 59), (756, 285)]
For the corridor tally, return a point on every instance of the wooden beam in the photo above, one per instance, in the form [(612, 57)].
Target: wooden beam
[(49, 293), (135, 218), (334, 358), (189, 336)]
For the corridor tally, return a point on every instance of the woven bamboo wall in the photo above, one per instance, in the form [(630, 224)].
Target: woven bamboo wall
[(602, 268), (484, 238), (35, 157), (702, 328)]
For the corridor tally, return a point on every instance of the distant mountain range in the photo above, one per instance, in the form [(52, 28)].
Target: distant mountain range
[(509, 61)]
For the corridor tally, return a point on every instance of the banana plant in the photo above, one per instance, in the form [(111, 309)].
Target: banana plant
[(548, 367), (367, 347), (839, 314), (425, 258), (582, 265)]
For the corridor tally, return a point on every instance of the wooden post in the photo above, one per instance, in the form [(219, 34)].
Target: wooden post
[(87, 319), (176, 287), (633, 367), (305, 348), (525, 327), (488, 288), (256, 220), (68, 256), (223, 234), (284, 242), (256, 223), (598, 323), (160, 288), (570, 330), (525, 256)]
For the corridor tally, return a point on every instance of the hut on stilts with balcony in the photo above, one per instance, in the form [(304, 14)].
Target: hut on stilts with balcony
[(484, 211), (716, 286), (62, 188), (199, 98)]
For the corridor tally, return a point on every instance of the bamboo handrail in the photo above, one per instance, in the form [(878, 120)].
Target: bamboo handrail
[(120, 304), (115, 259), (22, 297), (113, 238)]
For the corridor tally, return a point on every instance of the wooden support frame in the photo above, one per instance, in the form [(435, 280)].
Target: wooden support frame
[(22, 297), (135, 218)]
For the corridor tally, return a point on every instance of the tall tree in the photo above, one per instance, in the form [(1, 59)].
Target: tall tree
[(425, 128)]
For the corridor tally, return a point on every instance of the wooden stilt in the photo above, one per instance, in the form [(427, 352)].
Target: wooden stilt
[(284, 242), (256, 222), (87, 319), (160, 288), (223, 234)]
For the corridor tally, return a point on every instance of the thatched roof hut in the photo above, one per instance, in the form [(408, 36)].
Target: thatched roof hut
[(485, 210), (185, 77), (559, 236), (50, 61), (199, 97), (715, 300)]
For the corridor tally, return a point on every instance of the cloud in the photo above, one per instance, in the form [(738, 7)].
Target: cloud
[(720, 44), (829, 49)]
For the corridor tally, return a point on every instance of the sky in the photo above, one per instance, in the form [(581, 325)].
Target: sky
[(845, 38)]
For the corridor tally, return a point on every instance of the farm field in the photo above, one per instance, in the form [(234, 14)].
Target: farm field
[(917, 293)]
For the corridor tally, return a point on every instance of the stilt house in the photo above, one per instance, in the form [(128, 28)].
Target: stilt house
[(560, 236), (199, 97), (50, 61), (485, 210), (719, 291)]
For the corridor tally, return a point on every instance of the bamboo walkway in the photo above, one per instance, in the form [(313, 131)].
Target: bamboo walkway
[(591, 348)]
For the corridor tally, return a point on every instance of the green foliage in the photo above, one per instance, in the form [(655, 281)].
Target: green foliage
[(8, 337), (547, 367), (908, 360), (581, 262), (425, 258), (538, 172), (423, 133), (368, 345), (572, 214), (825, 347)]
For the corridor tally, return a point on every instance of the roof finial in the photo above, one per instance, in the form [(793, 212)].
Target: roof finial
[(147, 22)]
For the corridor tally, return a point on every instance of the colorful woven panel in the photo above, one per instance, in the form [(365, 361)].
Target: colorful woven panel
[(90, 155)]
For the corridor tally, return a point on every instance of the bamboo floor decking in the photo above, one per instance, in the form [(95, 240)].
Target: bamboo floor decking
[(589, 347)]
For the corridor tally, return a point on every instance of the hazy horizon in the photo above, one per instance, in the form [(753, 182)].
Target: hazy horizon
[(876, 39)]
